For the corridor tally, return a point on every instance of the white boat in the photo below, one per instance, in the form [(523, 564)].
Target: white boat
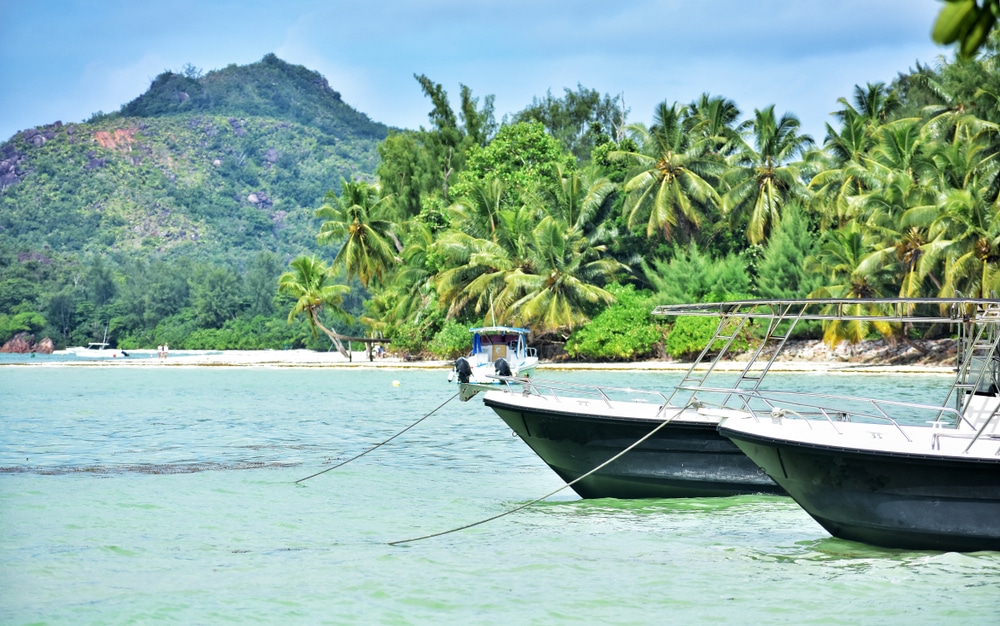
[(626, 443), (97, 350), (640, 444), (882, 471), (496, 351)]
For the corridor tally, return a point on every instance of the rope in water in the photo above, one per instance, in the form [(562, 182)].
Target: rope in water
[(375, 447), (552, 493)]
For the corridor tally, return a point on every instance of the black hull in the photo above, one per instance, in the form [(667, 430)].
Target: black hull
[(912, 502), (682, 460)]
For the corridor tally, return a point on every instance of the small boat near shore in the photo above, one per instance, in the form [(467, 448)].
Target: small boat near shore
[(97, 350), (496, 351)]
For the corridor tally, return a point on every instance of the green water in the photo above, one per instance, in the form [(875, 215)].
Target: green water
[(168, 495)]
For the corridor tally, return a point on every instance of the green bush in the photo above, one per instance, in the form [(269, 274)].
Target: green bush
[(451, 342), (694, 276), (407, 339), (623, 331), (27, 322), (690, 335)]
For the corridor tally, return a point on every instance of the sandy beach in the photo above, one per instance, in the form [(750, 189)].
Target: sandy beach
[(810, 359)]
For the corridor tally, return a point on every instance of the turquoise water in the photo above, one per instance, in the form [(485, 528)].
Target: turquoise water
[(168, 495)]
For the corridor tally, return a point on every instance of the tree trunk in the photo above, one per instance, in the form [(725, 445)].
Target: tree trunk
[(334, 337)]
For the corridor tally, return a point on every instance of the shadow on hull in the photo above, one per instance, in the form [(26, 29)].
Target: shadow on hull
[(902, 501), (682, 460)]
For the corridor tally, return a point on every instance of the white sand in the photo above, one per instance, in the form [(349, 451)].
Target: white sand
[(310, 358)]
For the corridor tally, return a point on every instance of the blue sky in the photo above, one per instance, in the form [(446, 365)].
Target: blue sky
[(66, 59)]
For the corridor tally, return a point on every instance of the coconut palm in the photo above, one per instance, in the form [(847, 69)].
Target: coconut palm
[(544, 274), (764, 174), (674, 176), (475, 267), (477, 212), (971, 151), (899, 205), (713, 121), (969, 237), (474, 272), (874, 104), (563, 292), (934, 208), (309, 284), (358, 219), (411, 291), (841, 174), (845, 258), (901, 147), (582, 199)]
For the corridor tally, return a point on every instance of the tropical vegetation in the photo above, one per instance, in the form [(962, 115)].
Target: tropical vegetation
[(565, 218)]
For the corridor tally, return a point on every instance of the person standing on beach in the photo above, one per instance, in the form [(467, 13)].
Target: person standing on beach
[(166, 350), (159, 351)]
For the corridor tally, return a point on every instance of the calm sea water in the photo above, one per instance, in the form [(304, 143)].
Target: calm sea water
[(144, 495)]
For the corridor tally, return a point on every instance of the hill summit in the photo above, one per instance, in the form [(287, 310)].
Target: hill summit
[(269, 88), (222, 165)]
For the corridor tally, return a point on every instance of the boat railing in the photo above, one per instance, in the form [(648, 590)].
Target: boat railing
[(559, 390), (811, 406)]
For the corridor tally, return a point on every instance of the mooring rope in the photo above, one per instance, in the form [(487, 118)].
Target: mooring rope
[(375, 447), (548, 495)]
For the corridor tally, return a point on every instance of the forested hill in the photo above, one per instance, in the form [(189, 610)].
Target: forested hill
[(270, 88), (217, 166)]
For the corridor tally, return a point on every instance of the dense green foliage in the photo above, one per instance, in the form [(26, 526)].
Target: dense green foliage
[(150, 224), (173, 219), (623, 331), (689, 336)]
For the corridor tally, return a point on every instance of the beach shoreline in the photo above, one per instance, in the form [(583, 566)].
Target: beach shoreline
[(810, 358)]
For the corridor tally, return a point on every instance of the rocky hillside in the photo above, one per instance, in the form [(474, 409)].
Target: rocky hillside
[(221, 165)]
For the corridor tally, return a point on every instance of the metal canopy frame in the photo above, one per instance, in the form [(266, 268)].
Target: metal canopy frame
[(912, 310)]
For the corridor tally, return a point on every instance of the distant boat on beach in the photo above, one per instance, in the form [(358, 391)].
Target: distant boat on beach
[(97, 350)]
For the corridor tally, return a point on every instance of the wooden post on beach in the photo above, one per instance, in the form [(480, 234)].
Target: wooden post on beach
[(369, 344)]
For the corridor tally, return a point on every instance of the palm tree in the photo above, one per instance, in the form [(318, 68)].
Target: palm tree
[(969, 236), (874, 105), (359, 217), (901, 148), (845, 258), (969, 152), (477, 212), (544, 274), (582, 199), (937, 204), (308, 283), (673, 182), (713, 122), (475, 268), (842, 175), (411, 293), (763, 174), (563, 292), (907, 249)]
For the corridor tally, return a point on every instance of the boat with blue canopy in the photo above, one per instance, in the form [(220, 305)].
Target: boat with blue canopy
[(496, 351)]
